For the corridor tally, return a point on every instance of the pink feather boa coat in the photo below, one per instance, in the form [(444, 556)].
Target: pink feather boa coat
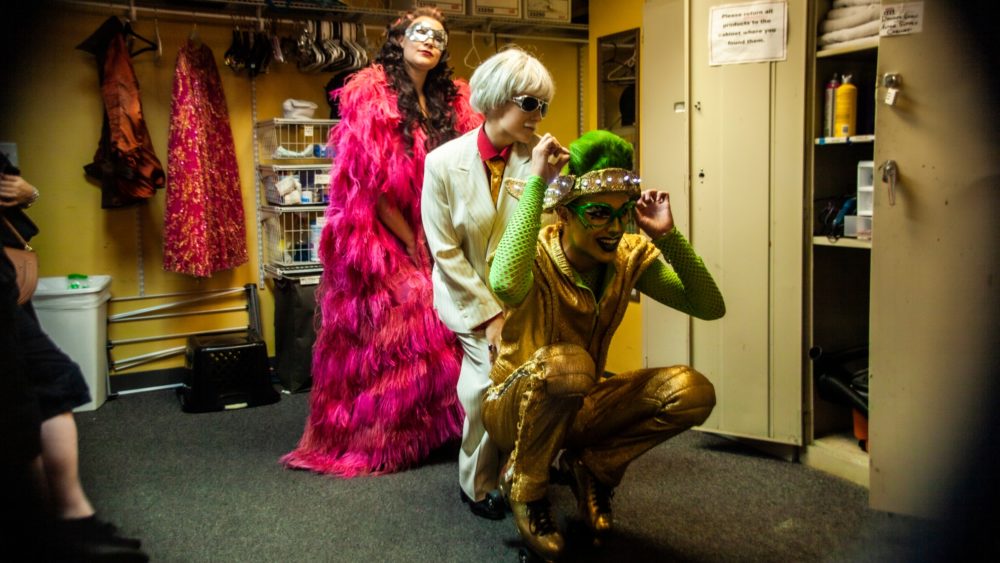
[(384, 367)]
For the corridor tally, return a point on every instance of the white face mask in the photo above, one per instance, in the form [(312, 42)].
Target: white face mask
[(420, 32)]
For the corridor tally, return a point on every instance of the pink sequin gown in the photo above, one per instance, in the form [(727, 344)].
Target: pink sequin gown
[(204, 226)]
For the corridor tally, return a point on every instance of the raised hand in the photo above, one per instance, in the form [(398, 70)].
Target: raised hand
[(653, 213), (548, 158)]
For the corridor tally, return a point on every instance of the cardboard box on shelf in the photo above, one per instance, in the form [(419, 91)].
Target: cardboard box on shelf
[(447, 7), (502, 8), (455, 7), (548, 10)]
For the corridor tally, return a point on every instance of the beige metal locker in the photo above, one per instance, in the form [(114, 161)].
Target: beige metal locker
[(744, 209), (935, 264)]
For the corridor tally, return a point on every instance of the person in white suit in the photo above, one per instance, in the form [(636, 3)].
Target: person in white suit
[(464, 213)]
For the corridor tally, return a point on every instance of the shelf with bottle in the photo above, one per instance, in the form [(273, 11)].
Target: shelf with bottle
[(291, 238), (847, 77), (295, 185), (283, 139), (852, 140)]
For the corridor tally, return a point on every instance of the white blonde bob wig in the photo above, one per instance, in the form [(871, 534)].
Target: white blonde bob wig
[(509, 73)]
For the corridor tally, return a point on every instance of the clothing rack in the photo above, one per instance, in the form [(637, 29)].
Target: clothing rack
[(259, 12)]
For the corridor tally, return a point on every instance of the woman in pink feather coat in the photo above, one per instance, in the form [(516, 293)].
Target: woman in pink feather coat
[(384, 367)]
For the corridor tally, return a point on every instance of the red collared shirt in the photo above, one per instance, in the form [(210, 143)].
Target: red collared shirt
[(487, 151)]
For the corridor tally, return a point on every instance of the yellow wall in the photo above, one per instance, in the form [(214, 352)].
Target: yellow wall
[(608, 17), (53, 112)]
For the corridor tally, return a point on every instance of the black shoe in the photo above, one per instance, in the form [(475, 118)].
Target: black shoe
[(94, 530), (491, 507), (95, 552)]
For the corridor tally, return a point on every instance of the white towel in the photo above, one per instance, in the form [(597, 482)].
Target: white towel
[(838, 13), (868, 29), (861, 41), (855, 16)]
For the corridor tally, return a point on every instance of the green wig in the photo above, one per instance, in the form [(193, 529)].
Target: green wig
[(599, 149)]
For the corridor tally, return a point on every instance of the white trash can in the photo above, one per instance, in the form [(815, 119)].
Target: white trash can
[(77, 321)]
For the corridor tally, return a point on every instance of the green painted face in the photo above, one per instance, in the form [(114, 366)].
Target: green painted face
[(592, 237)]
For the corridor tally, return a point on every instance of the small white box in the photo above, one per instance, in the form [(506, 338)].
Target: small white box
[(502, 8), (548, 10)]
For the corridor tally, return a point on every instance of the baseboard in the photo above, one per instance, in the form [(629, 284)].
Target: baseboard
[(149, 380)]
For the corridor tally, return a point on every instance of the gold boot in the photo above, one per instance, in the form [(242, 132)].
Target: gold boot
[(593, 498), (537, 528)]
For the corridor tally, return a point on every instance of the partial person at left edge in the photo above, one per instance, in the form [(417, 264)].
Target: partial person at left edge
[(46, 513)]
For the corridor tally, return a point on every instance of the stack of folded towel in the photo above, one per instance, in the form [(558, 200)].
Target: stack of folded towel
[(850, 22)]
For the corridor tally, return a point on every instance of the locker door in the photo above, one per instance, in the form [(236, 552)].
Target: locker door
[(935, 265)]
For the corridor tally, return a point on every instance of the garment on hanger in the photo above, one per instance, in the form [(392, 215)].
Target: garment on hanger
[(204, 226), (125, 163)]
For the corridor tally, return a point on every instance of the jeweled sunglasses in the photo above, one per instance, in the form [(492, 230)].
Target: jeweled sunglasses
[(529, 104), (597, 215), (420, 32)]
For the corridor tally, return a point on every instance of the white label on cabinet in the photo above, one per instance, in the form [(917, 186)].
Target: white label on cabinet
[(307, 131), (748, 33), (902, 19)]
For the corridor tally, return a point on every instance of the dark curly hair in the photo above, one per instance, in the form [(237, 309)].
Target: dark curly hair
[(439, 90)]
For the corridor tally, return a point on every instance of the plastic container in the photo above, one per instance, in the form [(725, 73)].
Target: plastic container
[(829, 103), (315, 233), (77, 321), (866, 187)]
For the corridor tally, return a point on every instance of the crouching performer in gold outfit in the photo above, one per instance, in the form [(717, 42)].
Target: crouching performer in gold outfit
[(565, 288)]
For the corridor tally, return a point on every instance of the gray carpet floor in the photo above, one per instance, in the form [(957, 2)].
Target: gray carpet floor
[(208, 487)]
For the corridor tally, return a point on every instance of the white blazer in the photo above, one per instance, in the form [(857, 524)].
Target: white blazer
[(463, 227)]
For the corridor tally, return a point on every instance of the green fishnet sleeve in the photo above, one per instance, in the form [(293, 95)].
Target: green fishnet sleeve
[(688, 286), (510, 274)]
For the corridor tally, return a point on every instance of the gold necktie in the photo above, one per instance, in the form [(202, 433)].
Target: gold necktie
[(496, 166)]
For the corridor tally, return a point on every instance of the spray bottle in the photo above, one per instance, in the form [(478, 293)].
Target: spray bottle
[(829, 104), (845, 109)]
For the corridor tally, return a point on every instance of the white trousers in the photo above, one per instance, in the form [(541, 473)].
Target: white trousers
[(478, 459)]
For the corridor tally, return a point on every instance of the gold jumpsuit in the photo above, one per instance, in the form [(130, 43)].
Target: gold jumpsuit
[(550, 390)]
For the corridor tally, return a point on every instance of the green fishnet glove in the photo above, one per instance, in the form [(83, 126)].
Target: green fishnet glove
[(688, 286), (510, 274)]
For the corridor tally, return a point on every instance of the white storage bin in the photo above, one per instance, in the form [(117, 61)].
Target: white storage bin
[(866, 187), (866, 201), (858, 226), (77, 321)]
